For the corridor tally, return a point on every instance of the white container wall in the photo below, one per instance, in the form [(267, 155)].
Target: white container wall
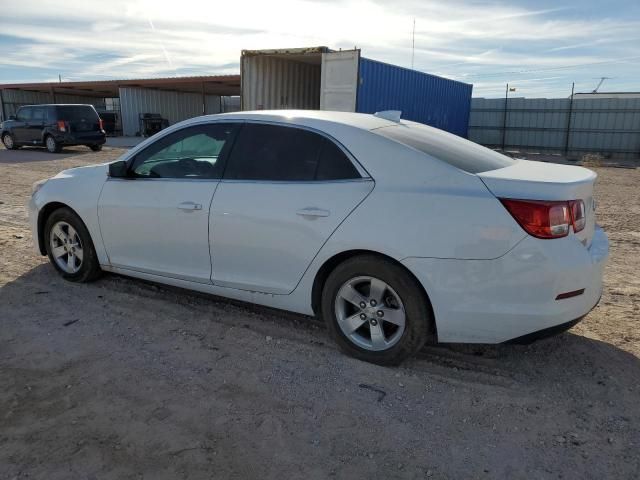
[(174, 106), (270, 82)]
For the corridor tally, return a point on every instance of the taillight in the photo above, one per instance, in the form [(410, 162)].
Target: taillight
[(578, 216), (540, 219), (101, 124), (62, 126)]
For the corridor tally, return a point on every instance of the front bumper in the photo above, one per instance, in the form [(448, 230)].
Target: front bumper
[(34, 212), (493, 301)]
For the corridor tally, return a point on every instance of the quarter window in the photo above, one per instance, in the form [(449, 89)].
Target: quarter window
[(279, 153), (191, 153)]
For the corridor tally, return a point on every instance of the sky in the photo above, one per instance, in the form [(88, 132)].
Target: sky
[(538, 47)]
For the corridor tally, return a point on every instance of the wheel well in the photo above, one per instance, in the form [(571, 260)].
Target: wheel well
[(333, 262), (43, 215)]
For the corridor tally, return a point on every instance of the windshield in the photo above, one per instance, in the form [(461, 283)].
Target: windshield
[(449, 148)]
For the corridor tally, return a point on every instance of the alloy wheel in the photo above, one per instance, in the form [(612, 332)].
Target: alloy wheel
[(370, 313), (66, 247), (8, 141), (51, 144)]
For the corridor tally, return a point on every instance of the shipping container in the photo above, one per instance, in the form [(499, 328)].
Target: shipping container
[(321, 78)]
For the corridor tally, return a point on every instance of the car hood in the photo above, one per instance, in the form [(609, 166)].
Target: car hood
[(99, 170)]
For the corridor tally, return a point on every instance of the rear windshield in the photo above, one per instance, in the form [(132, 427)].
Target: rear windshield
[(72, 113), (449, 148)]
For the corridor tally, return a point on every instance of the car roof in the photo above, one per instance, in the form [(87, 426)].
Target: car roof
[(363, 121)]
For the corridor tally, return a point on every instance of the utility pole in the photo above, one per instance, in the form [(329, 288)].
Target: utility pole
[(59, 78), (568, 135), (504, 118), (413, 43)]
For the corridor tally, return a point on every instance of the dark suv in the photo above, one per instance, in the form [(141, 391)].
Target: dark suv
[(53, 126)]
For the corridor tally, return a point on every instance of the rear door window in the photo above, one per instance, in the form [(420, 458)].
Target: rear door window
[(38, 114), (71, 113), (282, 153), (446, 147)]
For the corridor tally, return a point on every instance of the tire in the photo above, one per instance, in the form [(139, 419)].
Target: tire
[(95, 148), (84, 265), (9, 142), (403, 298), (52, 145)]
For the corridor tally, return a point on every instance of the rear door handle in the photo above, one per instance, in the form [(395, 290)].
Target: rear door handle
[(312, 212), (190, 206)]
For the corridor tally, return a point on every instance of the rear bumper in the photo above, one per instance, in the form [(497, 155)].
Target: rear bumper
[(494, 301), (88, 138)]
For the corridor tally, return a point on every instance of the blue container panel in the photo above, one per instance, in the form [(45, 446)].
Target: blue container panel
[(424, 98)]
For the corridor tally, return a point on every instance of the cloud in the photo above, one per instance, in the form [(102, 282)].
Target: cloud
[(461, 39)]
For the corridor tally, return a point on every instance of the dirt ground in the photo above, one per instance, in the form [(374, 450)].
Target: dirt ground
[(122, 379)]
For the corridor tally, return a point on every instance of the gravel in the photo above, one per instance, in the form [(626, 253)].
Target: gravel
[(124, 379)]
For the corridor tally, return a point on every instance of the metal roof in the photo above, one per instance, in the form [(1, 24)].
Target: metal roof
[(208, 84)]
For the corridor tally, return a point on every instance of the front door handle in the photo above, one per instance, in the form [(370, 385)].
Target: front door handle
[(312, 212), (190, 206)]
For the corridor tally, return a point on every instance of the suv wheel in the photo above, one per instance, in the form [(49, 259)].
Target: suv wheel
[(70, 248), (376, 311), (52, 145), (8, 141), (95, 148)]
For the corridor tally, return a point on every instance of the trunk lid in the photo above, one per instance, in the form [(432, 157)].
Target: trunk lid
[(530, 180)]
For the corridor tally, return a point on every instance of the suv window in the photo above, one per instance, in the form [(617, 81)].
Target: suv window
[(192, 153), (38, 114), (282, 153), (24, 114), (71, 113), (446, 147)]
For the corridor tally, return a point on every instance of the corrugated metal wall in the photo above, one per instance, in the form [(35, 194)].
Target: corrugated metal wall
[(609, 126), (274, 83), (13, 99), (174, 106), (435, 101)]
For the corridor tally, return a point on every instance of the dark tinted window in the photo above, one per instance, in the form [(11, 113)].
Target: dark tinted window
[(38, 114), (24, 114), (449, 148), (193, 152), (279, 153), (334, 164), (76, 113)]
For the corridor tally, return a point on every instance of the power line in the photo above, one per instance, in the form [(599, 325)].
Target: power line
[(561, 67)]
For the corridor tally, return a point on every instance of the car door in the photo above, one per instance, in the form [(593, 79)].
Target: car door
[(20, 129), (35, 125), (284, 192), (157, 220)]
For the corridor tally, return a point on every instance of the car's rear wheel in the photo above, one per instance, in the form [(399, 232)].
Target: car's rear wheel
[(52, 145), (376, 311), (95, 148), (9, 142), (70, 248)]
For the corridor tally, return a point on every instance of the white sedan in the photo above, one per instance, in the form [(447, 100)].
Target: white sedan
[(395, 233)]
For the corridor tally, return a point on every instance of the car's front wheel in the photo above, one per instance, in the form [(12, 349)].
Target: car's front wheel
[(9, 142), (70, 248), (52, 145), (95, 148), (376, 311)]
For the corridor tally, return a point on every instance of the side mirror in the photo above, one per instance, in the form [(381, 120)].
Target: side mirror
[(12, 117), (118, 169)]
